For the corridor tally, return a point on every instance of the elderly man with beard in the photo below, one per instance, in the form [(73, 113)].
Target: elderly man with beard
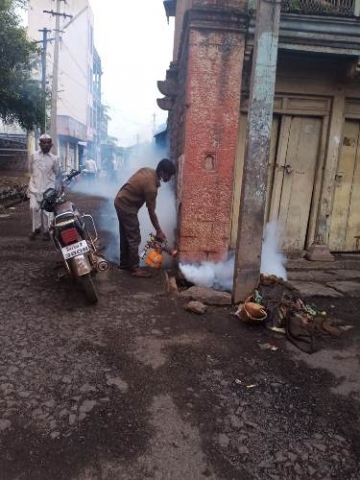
[(141, 188), (44, 171)]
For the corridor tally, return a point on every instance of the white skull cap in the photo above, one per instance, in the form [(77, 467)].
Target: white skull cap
[(45, 136)]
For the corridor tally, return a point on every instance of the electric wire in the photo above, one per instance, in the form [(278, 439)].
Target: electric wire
[(63, 72), (75, 61)]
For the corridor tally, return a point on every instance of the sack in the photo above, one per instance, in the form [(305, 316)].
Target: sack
[(251, 311), (299, 332)]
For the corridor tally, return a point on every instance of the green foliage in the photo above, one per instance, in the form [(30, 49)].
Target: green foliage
[(21, 97)]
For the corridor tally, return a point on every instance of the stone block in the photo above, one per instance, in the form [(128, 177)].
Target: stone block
[(312, 276), (312, 289), (319, 253), (347, 274), (172, 287), (195, 307), (207, 295), (349, 289)]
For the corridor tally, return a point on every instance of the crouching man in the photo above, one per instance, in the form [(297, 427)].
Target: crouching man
[(141, 188)]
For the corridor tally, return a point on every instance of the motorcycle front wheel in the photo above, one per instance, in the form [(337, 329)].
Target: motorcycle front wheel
[(89, 288)]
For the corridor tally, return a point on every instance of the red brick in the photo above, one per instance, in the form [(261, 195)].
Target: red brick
[(214, 83)]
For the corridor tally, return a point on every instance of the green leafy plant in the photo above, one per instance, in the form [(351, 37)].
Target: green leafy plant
[(21, 97)]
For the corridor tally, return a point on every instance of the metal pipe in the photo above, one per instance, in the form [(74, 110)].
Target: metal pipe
[(101, 264)]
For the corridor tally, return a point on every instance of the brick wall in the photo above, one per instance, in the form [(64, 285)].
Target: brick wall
[(213, 61)]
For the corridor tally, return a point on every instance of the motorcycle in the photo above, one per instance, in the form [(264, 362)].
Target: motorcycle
[(77, 243)]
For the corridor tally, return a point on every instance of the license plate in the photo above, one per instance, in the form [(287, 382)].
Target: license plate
[(75, 249)]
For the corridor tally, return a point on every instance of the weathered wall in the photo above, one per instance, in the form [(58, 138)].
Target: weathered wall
[(313, 87), (204, 121), (214, 61), (13, 150), (13, 164), (182, 6)]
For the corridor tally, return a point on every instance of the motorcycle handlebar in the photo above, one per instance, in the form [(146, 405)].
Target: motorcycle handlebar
[(73, 174)]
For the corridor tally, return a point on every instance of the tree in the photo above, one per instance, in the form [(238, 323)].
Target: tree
[(21, 97)]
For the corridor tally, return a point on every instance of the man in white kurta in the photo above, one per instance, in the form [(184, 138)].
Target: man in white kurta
[(90, 169), (44, 170)]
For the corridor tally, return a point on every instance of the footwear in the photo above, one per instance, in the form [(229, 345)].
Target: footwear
[(34, 234), (140, 273), (124, 267)]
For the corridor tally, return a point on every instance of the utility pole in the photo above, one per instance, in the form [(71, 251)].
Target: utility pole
[(55, 76), (45, 40), (258, 136)]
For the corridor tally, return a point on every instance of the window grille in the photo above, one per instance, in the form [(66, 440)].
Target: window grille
[(319, 7)]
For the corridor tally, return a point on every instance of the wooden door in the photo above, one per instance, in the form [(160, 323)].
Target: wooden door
[(294, 177), (345, 217)]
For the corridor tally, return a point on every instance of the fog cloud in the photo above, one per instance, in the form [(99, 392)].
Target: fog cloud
[(219, 275), (145, 155)]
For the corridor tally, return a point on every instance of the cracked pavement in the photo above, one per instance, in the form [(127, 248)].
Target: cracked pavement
[(136, 387)]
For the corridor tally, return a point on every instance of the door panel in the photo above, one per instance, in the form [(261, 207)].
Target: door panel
[(295, 174), (272, 162), (293, 160), (279, 164), (345, 218)]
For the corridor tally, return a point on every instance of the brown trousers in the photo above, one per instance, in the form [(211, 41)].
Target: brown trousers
[(130, 239)]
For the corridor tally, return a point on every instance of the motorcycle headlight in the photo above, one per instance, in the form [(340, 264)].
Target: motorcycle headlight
[(49, 199)]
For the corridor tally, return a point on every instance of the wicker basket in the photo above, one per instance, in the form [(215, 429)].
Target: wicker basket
[(252, 312)]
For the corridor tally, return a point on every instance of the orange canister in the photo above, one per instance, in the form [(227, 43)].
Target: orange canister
[(154, 259)]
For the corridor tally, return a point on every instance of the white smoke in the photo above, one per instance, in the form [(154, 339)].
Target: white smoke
[(220, 275), (272, 260), (144, 155)]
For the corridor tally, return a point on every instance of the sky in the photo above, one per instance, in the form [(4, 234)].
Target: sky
[(135, 43)]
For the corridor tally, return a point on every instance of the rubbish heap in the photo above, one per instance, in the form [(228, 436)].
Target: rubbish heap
[(12, 190), (279, 306)]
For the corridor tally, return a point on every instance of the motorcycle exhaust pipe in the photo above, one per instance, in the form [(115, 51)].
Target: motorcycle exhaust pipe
[(101, 264)]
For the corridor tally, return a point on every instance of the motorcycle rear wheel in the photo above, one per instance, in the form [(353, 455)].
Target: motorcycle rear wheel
[(89, 288)]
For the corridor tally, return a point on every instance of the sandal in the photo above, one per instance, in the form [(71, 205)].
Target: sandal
[(140, 273)]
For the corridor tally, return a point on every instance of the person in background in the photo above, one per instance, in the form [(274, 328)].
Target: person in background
[(141, 188), (44, 174), (90, 169)]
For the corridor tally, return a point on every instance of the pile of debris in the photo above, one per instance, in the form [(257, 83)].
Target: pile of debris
[(11, 189), (275, 304), (279, 306)]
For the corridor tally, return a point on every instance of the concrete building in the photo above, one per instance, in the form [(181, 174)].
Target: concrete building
[(79, 80), (313, 184)]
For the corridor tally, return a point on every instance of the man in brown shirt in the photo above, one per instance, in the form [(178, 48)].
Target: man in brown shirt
[(141, 188)]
